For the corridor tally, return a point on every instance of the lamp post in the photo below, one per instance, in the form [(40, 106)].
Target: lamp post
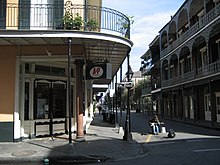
[(127, 133), (69, 88)]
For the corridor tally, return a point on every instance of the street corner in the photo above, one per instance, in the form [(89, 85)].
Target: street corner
[(158, 137), (133, 150), (148, 138)]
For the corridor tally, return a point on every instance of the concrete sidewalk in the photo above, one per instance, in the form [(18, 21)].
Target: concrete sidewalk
[(103, 143)]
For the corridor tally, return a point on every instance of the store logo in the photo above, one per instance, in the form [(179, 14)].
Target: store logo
[(96, 72)]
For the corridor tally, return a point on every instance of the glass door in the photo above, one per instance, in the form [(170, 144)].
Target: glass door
[(186, 106), (41, 14), (207, 106), (58, 99), (42, 107), (203, 52), (24, 14), (218, 106), (42, 99), (191, 112), (50, 107), (58, 109)]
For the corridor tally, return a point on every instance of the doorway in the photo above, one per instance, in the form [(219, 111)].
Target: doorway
[(49, 107), (218, 106), (207, 106)]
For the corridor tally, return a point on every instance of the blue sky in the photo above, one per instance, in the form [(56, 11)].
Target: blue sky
[(149, 18)]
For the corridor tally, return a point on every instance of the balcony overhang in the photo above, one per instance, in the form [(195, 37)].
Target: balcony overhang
[(52, 46), (99, 88)]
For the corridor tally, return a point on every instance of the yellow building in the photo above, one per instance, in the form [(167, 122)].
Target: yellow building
[(43, 80)]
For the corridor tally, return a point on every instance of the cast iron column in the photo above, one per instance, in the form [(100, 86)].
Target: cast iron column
[(127, 133), (69, 88), (120, 122)]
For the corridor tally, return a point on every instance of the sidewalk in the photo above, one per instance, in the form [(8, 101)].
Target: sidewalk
[(103, 143)]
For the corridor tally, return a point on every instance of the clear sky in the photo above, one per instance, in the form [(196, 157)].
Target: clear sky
[(149, 18)]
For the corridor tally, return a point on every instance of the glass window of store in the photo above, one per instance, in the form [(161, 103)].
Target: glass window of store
[(42, 96)]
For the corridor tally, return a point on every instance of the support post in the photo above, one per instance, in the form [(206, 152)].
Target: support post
[(120, 123), (79, 99), (69, 89), (127, 133)]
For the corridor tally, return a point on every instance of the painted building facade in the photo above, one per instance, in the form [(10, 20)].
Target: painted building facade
[(188, 64), (35, 68)]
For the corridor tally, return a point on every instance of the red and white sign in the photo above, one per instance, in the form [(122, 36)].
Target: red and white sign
[(96, 72), (99, 71)]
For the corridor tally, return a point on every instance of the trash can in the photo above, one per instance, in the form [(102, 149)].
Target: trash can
[(112, 118), (105, 115), (162, 128)]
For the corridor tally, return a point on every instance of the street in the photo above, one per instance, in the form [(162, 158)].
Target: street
[(191, 145)]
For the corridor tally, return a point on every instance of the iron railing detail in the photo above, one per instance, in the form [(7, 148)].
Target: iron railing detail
[(50, 17), (205, 20), (199, 73)]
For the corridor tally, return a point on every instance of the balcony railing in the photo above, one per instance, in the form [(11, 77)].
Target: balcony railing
[(206, 19), (205, 71), (50, 17)]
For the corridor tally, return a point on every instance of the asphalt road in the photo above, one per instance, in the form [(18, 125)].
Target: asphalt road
[(191, 145)]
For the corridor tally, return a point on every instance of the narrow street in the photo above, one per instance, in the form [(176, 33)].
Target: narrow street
[(192, 144)]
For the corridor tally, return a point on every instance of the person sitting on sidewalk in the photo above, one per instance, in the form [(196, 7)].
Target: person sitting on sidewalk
[(154, 123)]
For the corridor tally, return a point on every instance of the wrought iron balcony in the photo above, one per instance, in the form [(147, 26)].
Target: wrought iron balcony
[(200, 73), (204, 21), (56, 16)]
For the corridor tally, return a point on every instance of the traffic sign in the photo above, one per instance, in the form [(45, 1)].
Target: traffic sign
[(128, 84)]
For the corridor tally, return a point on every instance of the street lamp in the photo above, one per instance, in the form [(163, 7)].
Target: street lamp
[(127, 133), (129, 73), (69, 88)]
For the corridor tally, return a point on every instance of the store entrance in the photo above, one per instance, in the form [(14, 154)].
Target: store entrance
[(49, 107)]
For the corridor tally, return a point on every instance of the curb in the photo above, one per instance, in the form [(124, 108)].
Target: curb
[(57, 159)]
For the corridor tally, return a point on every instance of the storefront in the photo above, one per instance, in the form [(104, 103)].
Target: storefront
[(43, 99), (43, 90)]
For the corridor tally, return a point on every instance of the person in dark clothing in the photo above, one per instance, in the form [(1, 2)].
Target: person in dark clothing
[(154, 123), (100, 109)]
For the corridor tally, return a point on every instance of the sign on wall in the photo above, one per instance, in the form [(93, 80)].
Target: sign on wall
[(99, 71)]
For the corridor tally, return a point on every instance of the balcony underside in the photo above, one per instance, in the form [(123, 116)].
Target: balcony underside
[(51, 46)]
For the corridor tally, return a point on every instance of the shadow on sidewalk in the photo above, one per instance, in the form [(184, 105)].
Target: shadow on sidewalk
[(99, 121), (102, 143)]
